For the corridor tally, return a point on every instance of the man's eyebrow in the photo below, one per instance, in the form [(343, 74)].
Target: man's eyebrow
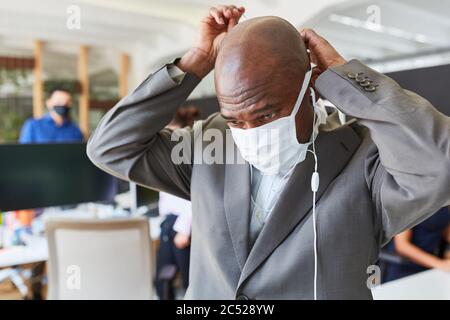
[(226, 117), (267, 107)]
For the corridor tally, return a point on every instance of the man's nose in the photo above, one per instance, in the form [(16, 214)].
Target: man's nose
[(251, 125)]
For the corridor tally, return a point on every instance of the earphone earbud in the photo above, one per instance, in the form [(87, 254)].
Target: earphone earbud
[(315, 182)]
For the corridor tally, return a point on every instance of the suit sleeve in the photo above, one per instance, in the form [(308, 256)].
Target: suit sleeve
[(408, 169), (130, 141)]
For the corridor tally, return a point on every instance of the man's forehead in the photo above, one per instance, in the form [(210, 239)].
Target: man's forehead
[(61, 94), (248, 80), (258, 108), (248, 97)]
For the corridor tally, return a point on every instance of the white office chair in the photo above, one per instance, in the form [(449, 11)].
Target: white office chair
[(99, 258)]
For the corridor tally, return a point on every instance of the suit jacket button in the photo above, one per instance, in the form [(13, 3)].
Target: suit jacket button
[(360, 79), (366, 83), (242, 297), (352, 75), (370, 88)]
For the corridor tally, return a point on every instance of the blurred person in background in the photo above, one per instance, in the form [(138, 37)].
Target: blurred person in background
[(175, 238), (425, 246), (56, 125)]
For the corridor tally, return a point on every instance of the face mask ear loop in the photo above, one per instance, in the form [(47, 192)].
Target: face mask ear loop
[(301, 95), (316, 117)]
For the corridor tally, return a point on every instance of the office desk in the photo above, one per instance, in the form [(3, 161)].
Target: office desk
[(34, 251), (427, 285)]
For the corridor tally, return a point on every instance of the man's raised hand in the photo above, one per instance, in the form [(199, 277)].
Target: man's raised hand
[(321, 52), (213, 28)]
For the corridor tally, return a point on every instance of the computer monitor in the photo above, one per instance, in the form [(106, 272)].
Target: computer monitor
[(143, 197), (44, 175)]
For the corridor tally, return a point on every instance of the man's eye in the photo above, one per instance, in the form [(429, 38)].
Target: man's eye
[(234, 123), (269, 116)]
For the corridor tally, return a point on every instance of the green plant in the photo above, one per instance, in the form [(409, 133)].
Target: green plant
[(10, 125), (15, 77)]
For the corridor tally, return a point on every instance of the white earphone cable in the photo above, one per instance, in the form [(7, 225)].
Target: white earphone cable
[(314, 188)]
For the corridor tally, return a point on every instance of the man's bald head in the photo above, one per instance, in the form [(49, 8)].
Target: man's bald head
[(259, 70), (265, 42)]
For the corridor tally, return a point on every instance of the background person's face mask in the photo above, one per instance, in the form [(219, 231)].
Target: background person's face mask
[(273, 148), (63, 111)]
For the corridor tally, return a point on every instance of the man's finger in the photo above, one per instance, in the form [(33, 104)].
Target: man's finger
[(309, 35), (236, 16), (239, 11), (217, 15), (228, 13), (225, 11), (232, 23)]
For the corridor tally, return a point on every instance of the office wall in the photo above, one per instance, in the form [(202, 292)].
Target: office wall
[(433, 83)]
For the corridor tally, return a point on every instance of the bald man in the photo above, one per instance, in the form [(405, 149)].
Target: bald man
[(256, 232)]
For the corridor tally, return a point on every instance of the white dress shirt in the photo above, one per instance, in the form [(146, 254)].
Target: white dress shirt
[(265, 191)]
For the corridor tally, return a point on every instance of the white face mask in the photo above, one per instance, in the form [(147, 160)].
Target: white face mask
[(273, 148)]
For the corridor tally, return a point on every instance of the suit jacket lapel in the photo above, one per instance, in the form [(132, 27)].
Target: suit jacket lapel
[(237, 207), (334, 148)]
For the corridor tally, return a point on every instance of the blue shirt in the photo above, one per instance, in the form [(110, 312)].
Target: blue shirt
[(45, 130), (428, 235)]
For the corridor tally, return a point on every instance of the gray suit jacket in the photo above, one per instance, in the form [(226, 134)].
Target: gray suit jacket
[(380, 174)]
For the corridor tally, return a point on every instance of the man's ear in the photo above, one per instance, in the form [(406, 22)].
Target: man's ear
[(314, 75)]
